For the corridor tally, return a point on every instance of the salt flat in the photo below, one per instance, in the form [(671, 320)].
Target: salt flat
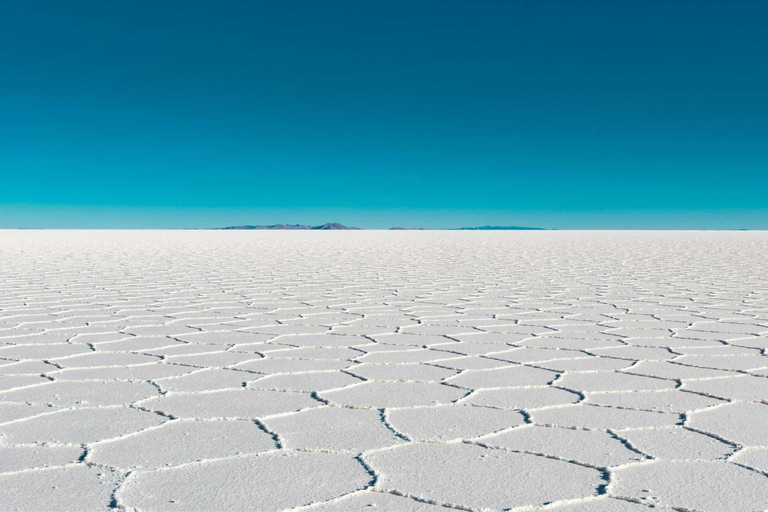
[(209, 370)]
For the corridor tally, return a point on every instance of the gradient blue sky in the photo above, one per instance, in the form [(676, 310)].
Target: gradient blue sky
[(569, 114)]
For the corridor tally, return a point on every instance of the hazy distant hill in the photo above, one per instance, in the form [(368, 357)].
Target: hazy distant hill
[(333, 225), (337, 226), (500, 228), (480, 228), (327, 226)]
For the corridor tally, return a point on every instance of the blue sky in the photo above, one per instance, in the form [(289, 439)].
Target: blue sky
[(569, 114)]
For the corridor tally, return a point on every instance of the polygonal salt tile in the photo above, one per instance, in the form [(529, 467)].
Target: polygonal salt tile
[(230, 404), (612, 381), (470, 349), (484, 481), (18, 458), (394, 394), (309, 381), (535, 355), (11, 411), (416, 340), (630, 332), (70, 393), (278, 330), (258, 348), (515, 376), (95, 329), (646, 324), (743, 387), (731, 328), (323, 340), (33, 339), (709, 336), (522, 398), (444, 423), (313, 477), (136, 344), (224, 337), (589, 447), (569, 327), (74, 488), (378, 347), (78, 425), (26, 368), (586, 364), (186, 349), (365, 501), (328, 317), (161, 330), (665, 401), (671, 342), (501, 340), (677, 443), (759, 343), (550, 342), (636, 353), (470, 363), (273, 366), (596, 417), (725, 362), (140, 372), (216, 360), (741, 423), (407, 356), (710, 486), (368, 331), (180, 442), (668, 370), (440, 330), (96, 359), (333, 428), (317, 353), (207, 380), (598, 504), (22, 352), (722, 350), (512, 328), (9, 382), (98, 337), (401, 372), (383, 321), (756, 458)]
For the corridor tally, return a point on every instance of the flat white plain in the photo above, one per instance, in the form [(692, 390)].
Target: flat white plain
[(210, 370)]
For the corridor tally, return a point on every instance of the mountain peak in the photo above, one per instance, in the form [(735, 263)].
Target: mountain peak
[(332, 225)]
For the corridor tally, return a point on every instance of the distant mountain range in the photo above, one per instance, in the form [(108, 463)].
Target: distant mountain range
[(501, 228), (326, 226), (337, 226)]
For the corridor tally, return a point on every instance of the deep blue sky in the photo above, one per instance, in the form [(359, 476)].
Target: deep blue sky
[(570, 114)]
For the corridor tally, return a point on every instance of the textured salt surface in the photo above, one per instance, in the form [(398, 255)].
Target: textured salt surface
[(567, 371)]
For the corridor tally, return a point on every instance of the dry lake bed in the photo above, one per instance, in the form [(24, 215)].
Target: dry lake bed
[(392, 371)]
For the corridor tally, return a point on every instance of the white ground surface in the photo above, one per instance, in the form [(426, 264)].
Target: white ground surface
[(568, 371)]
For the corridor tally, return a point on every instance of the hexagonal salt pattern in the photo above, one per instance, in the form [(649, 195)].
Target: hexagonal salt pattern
[(205, 370)]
